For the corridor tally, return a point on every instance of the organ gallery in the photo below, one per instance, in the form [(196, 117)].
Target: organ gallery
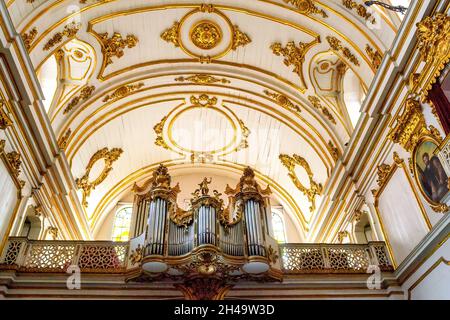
[(224, 150)]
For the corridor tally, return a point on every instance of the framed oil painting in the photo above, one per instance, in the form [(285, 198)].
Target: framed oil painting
[(429, 172)]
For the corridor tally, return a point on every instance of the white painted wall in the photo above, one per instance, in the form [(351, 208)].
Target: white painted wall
[(8, 199)]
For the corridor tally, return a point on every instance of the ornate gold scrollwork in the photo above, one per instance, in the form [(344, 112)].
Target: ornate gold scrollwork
[(136, 255), (28, 37), (385, 171), (69, 32), (114, 46), (283, 101), (334, 151), (361, 10), (318, 105), (158, 128), (85, 93), (375, 56), (62, 141), (203, 101), (307, 7), (206, 34), (109, 157), (5, 120), (293, 55), (123, 91), (342, 235), (410, 126), (202, 79), (14, 161), (314, 189), (336, 45), (433, 34), (272, 255), (248, 187)]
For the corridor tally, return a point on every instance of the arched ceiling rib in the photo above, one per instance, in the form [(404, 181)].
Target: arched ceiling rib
[(119, 105)]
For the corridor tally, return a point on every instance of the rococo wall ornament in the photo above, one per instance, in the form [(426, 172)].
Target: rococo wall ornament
[(307, 7), (86, 183), (315, 189)]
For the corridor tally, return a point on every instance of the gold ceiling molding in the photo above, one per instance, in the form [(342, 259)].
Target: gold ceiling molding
[(307, 7), (294, 55), (63, 140), (114, 46), (360, 9), (314, 189), (205, 35), (318, 105), (85, 93), (375, 56), (283, 101), (202, 79), (84, 183), (410, 126), (334, 151), (336, 45), (203, 101), (433, 34), (69, 32), (5, 120), (123, 91), (28, 37)]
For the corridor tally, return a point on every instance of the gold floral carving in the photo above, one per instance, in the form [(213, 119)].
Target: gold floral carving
[(342, 235), (375, 56), (248, 187), (206, 35), (14, 161), (136, 255), (158, 128), (410, 126), (318, 105), (5, 120), (53, 231), (62, 141), (272, 255), (336, 45), (433, 34), (28, 37), (385, 171), (202, 79), (334, 151), (360, 9), (314, 189), (283, 101), (114, 46), (123, 91), (171, 34), (69, 32), (240, 38), (293, 55), (307, 7), (84, 183), (85, 93)]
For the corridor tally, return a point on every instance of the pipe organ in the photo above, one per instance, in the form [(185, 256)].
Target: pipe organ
[(207, 239)]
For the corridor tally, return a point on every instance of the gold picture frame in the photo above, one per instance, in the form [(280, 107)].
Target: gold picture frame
[(420, 150)]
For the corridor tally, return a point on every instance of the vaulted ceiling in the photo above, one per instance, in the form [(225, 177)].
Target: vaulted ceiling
[(214, 85)]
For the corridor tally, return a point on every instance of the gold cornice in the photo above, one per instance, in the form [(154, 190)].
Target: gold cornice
[(314, 188), (86, 185)]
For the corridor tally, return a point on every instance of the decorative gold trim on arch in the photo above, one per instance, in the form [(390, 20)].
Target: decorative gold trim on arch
[(307, 7)]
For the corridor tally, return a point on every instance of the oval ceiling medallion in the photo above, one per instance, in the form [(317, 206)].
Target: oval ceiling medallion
[(202, 130), (206, 34)]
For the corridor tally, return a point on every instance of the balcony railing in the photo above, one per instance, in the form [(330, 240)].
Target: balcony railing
[(112, 257), (333, 258)]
